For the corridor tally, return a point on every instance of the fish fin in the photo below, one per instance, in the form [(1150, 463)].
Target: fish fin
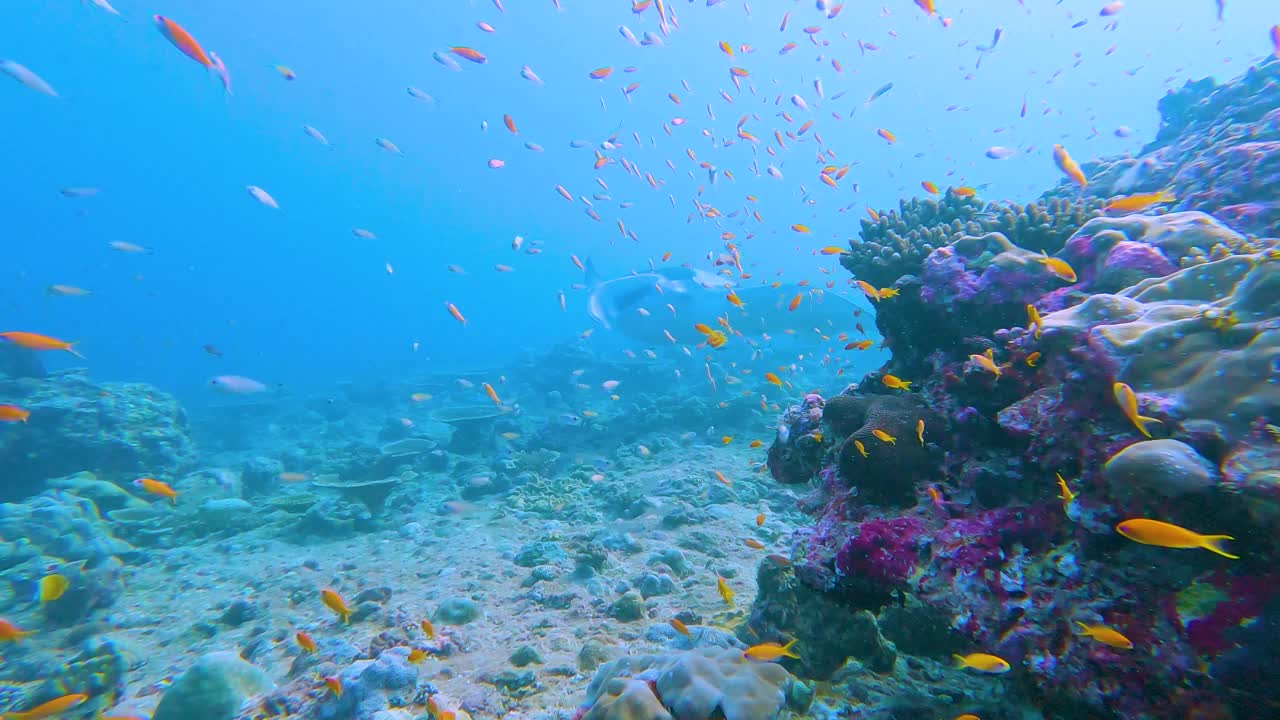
[(592, 276), (1142, 420), (1084, 629), (1212, 544), (960, 661)]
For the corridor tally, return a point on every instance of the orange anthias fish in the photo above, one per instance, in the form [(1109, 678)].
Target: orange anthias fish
[(680, 627), (926, 5), (895, 383), (304, 641), (470, 54), (1139, 202), (1069, 166), (883, 436), (795, 301), (1162, 534), (1058, 268), (773, 379), (457, 314), (53, 708), (982, 662), (986, 362), (1034, 321), (1275, 40), (888, 136), (10, 632), (334, 685), (770, 651), (726, 592), (334, 602), (1128, 402), (36, 341), (182, 40), (13, 413), (1106, 636), (152, 486), (428, 629), (493, 394)]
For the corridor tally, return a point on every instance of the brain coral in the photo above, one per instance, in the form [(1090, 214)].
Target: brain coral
[(888, 472), (896, 242), (700, 684)]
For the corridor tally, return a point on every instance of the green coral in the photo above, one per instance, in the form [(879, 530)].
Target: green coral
[(896, 242)]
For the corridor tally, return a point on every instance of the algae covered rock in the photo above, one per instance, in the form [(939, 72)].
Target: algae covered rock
[(76, 424), (214, 688), (457, 611), (627, 699), (1169, 468), (695, 685), (368, 684)]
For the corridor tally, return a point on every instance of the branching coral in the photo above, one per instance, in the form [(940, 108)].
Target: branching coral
[(897, 242)]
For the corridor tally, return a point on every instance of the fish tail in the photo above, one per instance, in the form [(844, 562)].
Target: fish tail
[(71, 348), (1083, 628), (960, 661), (1212, 543), (1142, 420)]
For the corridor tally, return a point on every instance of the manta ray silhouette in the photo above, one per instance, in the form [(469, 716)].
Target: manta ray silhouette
[(649, 306)]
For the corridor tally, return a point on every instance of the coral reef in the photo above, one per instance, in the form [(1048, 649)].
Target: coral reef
[(1217, 151), (213, 688), (75, 424), (1016, 366), (59, 532), (895, 243)]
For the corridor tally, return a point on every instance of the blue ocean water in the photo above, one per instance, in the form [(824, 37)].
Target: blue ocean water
[(291, 296)]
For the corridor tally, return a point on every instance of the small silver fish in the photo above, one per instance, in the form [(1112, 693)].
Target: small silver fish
[(25, 76)]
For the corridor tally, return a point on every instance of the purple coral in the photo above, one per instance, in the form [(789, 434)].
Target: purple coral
[(884, 551)]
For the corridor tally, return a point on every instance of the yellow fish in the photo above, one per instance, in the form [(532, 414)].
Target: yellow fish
[(334, 602), (1139, 202), (1128, 403), (725, 591), (1059, 268), (868, 289), (53, 708), (986, 362), (983, 663), (920, 430), (1068, 166), (1162, 534), (1105, 635), (861, 448), (771, 651), (52, 587), (1066, 496), (417, 655), (886, 293), (1032, 359), (1034, 321), (883, 436), (894, 382)]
